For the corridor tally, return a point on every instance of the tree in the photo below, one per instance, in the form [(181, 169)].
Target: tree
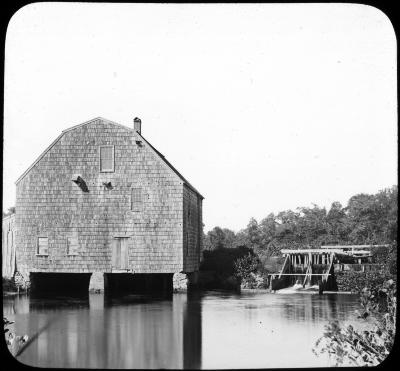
[(286, 230), (387, 201), (336, 224), (311, 225), (373, 218), (229, 238), (219, 238), (267, 228), (241, 238), (253, 234)]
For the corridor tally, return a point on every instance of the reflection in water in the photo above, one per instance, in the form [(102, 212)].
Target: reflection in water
[(312, 308), (126, 332), (194, 330)]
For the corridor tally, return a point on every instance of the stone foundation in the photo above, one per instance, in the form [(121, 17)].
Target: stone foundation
[(182, 281), (96, 283)]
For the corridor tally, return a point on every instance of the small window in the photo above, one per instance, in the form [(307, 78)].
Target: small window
[(107, 158), (72, 246), (43, 246), (136, 199)]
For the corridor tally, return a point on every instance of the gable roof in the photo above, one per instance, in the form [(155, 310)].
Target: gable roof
[(158, 154), (162, 157)]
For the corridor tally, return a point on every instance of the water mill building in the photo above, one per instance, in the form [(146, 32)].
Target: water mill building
[(101, 207)]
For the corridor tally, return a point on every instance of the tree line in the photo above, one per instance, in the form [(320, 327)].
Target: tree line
[(367, 219)]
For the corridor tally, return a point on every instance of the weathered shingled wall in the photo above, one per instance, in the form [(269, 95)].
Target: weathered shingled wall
[(192, 230), (49, 204)]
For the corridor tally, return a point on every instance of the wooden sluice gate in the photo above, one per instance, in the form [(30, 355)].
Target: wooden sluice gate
[(311, 267)]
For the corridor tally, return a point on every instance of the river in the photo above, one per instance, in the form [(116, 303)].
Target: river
[(197, 330)]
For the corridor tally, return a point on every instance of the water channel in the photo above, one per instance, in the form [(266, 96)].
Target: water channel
[(207, 330)]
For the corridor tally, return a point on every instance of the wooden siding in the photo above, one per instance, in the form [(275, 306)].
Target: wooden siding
[(192, 230), (51, 205)]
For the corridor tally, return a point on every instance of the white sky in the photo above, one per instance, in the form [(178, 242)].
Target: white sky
[(262, 107)]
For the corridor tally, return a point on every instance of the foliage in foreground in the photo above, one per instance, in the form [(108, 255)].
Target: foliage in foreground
[(346, 345), (14, 342)]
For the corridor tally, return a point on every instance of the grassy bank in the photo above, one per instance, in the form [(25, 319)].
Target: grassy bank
[(10, 287)]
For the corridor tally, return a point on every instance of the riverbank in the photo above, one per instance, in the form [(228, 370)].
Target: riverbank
[(10, 288), (11, 293), (290, 290)]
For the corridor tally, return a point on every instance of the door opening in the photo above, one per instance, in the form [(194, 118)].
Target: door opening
[(120, 253)]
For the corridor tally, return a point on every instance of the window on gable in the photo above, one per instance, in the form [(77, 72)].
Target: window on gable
[(72, 246), (136, 199), (42, 246), (106, 158)]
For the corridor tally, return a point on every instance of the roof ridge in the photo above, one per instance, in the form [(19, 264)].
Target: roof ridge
[(158, 153), (91, 121), (170, 165)]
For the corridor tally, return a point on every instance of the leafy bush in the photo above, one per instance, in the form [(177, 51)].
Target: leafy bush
[(367, 348), (222, 260), (9, 285), (250, 272), (356, 281), (245, 265), (221, 263)]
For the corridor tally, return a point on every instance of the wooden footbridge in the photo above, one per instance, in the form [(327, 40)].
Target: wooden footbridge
[(317, 266)]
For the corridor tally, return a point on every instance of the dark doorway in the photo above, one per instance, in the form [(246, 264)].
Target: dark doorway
[(140, 283), (58, 284)]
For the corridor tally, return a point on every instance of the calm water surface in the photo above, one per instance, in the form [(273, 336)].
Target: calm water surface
[(198, 330)]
